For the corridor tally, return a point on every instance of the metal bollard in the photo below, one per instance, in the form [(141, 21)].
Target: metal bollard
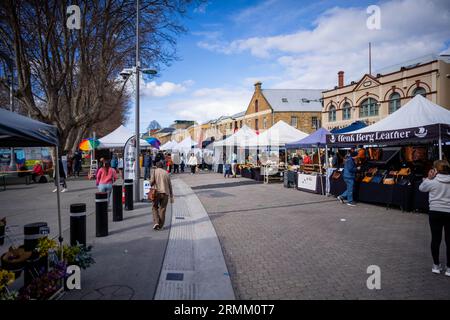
[(32, 233), (117, 203), (128, 183), (101, 214), (77, 223)]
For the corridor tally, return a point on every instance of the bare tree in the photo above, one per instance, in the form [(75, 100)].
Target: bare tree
[(68, 77)]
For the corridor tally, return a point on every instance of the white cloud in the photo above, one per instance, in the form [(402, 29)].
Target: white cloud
[(339, 41), (209, 103), (154, 89)]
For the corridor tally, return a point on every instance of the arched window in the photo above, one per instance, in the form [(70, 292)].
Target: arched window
[(368, 108), (332, 114), (256, 106), (394, 102), (419, 90), (346, 111)]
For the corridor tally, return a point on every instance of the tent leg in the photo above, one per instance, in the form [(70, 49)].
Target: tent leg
[(440, 143), (320, 171), (60, 238)]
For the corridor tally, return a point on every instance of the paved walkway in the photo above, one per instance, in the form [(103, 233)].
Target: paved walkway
[(286, 244), (194, 267)]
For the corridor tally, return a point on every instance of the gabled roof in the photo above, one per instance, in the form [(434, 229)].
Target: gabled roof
[(238, 115), (166, 130), (306, 100), (367, 78)]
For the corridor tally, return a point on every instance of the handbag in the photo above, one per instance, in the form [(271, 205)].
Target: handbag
[(389, 181), (152, 194)]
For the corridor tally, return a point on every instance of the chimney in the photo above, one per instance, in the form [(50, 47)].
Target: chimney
[(258, 86), (340, 79)]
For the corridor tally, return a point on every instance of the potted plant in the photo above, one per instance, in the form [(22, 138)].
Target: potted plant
[(14, 260), (79, 255), (6, 279), (2, 231)]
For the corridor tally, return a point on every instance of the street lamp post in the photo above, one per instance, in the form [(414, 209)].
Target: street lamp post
[(136, 120)]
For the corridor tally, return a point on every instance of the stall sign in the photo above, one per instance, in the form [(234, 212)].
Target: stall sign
[(129, 160), (307, 181), (146, 188)]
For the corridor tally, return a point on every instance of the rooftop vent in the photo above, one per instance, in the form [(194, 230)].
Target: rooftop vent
[(284, 100), (304, 100)]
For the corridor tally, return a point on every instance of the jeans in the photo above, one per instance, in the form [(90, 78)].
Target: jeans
[(439, 221), (105, 188), (348, 194), (146, 173)]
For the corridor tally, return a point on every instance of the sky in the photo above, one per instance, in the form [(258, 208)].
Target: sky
[(285, 44)]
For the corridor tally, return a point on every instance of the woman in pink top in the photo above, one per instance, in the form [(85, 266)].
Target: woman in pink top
[(105, 178)]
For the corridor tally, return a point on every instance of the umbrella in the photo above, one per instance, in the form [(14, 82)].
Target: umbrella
[(153, 142), (88, 144)]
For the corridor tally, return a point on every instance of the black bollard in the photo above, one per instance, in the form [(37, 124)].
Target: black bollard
[(77, 223), (101, 214), (117, 203), (32, 233), (128, 183)]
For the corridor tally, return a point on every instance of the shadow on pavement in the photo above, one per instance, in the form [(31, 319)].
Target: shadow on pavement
[(226, 185)]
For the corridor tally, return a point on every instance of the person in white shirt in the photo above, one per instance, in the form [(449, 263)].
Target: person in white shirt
[(192, 162)]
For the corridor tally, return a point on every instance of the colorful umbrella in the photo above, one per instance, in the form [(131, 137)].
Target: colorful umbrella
[(88, 144), (153, 142)]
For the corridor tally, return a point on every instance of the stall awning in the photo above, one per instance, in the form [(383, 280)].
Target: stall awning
[(352, 127), (20, 131), (314, 140), (418, 121)]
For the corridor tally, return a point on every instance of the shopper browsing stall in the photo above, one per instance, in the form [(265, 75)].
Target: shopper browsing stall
[(349, 175), (438, 185)]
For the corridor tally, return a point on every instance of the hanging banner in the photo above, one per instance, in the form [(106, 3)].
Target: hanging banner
[(129, 158)]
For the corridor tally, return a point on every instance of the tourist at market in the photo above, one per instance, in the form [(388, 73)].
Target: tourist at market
[(169, 162), (160, 180), (120, 166), (105, 178), (437, 184), (37, 172), (227, 171), (147, 165), (182, 162), (176, 162), (349, 174), (62, 177), (192, 162), (114, 162), (76, 160), (234, 164)]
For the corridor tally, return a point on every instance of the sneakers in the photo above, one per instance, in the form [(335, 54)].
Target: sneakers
[(64, 190), (55, 190), (447, 272), (340, 199), (350, 204), (436, 269), (156, 227)]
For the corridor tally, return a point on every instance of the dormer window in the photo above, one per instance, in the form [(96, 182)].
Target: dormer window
[(284, 100)]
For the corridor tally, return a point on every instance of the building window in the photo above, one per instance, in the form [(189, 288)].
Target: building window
[(231, 125), (294, 122), (256, 106), (256, 125), (240, 124), (419, 90), (394, 102), (315, 123), (265, 123), (332, 114), (346, 111), (368, 108)]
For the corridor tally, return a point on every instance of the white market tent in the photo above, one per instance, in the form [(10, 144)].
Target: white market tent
[(418, 112), (118, 138), (277, 136), (185, 146), (168, 145), (240, 138)]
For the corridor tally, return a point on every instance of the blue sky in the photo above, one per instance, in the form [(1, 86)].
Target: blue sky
[(230, 44)]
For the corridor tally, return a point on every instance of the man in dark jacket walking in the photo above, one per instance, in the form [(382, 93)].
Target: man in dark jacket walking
[(350, 168)]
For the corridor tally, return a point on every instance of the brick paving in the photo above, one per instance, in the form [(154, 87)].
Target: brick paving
[(282, 243)]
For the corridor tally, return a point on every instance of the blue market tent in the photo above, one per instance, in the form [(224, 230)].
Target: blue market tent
[(314, 140), (352, 127)]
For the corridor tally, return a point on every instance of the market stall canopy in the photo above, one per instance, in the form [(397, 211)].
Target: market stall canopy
[(418, 121), (316, 139), (20, 131), (168, 145), (240, 139), (278, 135), (118, 138), (352, 127), (185, 145)]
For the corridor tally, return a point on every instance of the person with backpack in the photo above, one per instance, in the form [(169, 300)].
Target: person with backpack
[(106, 176)]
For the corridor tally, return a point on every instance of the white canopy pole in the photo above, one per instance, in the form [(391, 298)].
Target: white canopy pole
[(440, 143)]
